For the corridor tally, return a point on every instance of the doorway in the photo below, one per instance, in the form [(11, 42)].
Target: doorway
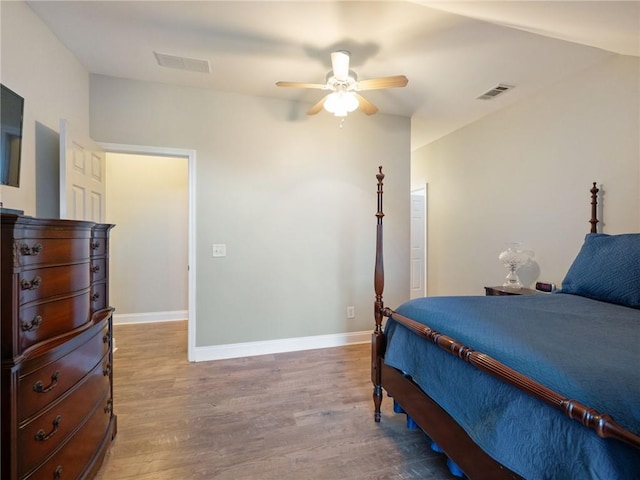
[(418, 247), (163, 206)]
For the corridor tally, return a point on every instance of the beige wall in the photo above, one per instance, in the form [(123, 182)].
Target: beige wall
[(524, 174), (148, 202), (53, 83), (291, 196)]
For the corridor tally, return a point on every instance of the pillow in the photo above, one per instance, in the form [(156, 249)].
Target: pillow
[(607, 268)]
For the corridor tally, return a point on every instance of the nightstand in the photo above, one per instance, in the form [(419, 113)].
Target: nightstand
[(493, 291)]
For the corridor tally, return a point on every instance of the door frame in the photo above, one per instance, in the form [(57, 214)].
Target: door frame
[(191, 242)]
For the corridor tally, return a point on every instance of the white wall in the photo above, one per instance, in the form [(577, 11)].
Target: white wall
[(292, 197), (53, 83), (148, 202), (524, 174)]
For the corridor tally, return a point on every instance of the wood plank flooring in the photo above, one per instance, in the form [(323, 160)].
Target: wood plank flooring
[(303, 415)]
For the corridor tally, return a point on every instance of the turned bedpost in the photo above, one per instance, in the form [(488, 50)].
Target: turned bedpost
[(379, 270), (377, 338), (594, 208)]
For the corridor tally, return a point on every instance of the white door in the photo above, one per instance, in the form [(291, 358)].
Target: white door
[(82, 176), (418, 268)]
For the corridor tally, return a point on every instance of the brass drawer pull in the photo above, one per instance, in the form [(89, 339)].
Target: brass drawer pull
[(30, 251), (106, 338), (106, 371), (41, 436), (40, 388), (31, 285), (57, 473), (95, 297), (109, 407), (95, 269), (32, 325), (95, 245)]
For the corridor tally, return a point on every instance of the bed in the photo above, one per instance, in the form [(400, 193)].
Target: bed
[(540, 386)]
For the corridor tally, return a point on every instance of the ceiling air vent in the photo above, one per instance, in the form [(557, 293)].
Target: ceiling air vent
[(182, 63), (495, 91)]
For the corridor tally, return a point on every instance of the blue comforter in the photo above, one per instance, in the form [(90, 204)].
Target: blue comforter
[(583, 349)]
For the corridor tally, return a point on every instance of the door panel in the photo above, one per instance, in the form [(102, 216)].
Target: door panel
[(82, 176), (418, 244)]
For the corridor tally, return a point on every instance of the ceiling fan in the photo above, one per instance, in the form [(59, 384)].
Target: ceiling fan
[(344, 97)]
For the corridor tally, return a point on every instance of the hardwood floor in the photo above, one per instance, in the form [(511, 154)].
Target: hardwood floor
[(302, 415)]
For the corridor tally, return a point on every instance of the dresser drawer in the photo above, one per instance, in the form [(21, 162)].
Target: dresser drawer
[(41, 436), (98, 246), (51, 251), (41, 387), (98, 296), (48, 282), (70, 462), (98, 269), (45, 320)]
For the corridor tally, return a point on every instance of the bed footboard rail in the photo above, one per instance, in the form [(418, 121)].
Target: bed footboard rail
[(602, 423)]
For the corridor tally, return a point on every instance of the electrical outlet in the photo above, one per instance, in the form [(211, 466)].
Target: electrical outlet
[(351, 312), (219, 250)]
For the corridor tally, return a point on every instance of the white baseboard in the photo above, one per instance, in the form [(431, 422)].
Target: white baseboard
[(235, 350), (149, 317)]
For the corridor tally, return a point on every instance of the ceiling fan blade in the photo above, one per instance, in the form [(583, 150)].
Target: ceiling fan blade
[(385, 82), (365, 105), (317, 107), (319, 86), (340, 64)]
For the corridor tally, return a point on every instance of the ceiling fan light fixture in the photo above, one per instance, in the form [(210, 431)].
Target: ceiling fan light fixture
[(344, 87), (340, 64), (341, 103)]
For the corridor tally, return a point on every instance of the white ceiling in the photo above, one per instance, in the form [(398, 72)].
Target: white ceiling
[(451, 51)]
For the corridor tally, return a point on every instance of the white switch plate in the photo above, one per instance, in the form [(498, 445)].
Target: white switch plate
[(351, 312), (219, 250)]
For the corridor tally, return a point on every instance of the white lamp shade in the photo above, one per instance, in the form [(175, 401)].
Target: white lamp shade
[(340, 103)]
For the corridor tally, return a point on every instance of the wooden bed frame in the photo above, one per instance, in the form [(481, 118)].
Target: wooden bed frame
[(429, 416)]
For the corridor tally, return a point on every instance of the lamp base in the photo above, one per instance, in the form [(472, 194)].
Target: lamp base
[(512, 281)]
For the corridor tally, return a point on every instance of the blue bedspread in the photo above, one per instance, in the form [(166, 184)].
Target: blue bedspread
[(583, 349)]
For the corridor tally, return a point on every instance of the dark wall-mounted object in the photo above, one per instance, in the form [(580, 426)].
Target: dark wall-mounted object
[(11, 113)]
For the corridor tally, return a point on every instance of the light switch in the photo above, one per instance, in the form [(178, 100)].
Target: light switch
[(219, 250)]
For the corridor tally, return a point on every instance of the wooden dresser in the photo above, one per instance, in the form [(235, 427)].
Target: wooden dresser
[(56, 379)]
